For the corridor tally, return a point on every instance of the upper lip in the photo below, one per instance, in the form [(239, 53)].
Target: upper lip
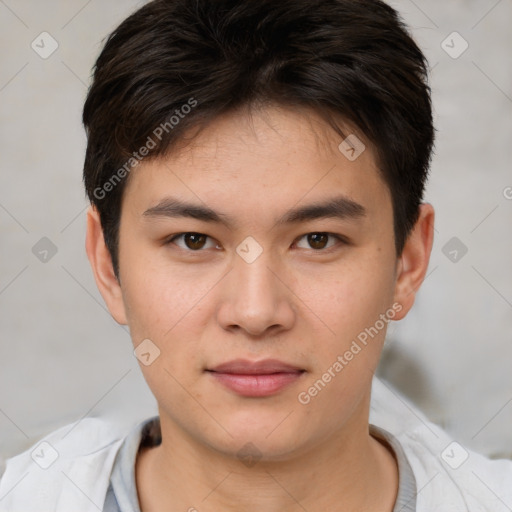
[(264, 367)]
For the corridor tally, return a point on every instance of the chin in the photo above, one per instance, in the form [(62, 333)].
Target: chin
[(261, 436)]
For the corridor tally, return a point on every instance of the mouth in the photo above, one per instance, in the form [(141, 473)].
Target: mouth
[(256, 378)]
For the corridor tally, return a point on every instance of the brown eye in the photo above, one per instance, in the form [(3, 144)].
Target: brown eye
[(318, 240), (195, 241)]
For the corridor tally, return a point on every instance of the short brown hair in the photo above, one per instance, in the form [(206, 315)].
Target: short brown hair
[(351, 60)]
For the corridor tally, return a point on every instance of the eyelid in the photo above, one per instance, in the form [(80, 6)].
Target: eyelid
[(340, 238), (172, 238)]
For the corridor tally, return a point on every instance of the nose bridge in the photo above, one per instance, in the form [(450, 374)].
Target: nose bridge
[(255, 280), (256, 300)]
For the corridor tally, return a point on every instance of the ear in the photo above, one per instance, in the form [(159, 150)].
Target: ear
[(102, 268), (413, 262)]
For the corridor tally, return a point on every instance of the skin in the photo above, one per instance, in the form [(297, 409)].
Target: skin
[(295, 303)]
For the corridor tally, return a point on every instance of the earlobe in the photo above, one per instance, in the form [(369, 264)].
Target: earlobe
[(101, 263), (413, 262)]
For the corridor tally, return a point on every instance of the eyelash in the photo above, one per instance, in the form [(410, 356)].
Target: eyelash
[(340, 239)]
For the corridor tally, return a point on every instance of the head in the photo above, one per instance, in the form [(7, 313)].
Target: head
[(292, 141)]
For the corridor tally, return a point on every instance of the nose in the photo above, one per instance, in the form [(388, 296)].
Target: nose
[(255, 299)]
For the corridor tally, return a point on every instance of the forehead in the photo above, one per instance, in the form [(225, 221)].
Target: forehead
[(272, 157)]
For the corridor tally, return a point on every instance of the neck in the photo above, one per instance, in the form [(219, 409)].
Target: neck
[(346, 471)]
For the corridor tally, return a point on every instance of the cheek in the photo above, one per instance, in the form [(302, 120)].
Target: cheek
[(166, 304), (351, 305), (351, 297), (170, 312), (157, 303)]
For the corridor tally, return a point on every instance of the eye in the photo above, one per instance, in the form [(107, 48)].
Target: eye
[(193, 241), (318, 241)]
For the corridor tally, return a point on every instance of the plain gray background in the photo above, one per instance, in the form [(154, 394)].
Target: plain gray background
[(63, 357)]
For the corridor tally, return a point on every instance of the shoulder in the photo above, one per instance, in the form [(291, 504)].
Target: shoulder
[(453, 476), (67, 469), (448, 475)]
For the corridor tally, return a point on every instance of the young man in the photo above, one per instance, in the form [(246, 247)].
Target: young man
[(256, 171)]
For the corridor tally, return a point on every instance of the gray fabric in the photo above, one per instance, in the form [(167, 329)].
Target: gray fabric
[(407, 491), (122, 493)]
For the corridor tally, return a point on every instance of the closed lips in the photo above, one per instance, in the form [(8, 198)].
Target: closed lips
[(246, 367)]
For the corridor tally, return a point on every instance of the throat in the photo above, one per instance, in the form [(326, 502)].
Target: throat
[(162, 488)]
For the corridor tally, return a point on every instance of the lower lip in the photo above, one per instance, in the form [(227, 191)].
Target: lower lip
[(256, 385)]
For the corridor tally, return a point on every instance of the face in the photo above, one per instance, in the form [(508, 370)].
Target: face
[(260, 262)]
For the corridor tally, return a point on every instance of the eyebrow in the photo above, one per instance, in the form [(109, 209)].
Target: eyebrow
[(339, 207)]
